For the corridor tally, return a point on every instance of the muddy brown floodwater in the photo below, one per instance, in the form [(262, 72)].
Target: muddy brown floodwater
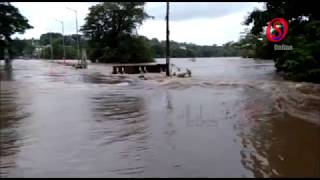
[(234, 118)]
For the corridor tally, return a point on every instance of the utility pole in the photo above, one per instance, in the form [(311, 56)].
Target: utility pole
[(78, 50), (167, 43), (64, 51)]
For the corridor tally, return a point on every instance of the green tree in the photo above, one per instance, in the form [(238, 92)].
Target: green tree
[(11, 22), (188, 50), (303, 62), (110, 28), (45, 38), (29, 48), (70, 45), (17, 47)]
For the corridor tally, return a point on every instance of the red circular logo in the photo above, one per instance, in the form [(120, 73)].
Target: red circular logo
[(277, 30)]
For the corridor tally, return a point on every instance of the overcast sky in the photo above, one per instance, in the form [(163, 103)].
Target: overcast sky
[(203, 23)]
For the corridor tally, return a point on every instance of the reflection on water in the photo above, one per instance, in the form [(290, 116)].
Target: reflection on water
[(11, 114), (233, 118), (6, 74)]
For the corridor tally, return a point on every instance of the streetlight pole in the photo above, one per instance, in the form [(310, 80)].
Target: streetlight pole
[(167, 43), (64, 51), (78, 51)]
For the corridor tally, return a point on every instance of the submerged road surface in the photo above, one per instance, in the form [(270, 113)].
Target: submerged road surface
[(233, 118)]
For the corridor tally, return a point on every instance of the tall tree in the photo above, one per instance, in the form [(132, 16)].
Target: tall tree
[(11, 22), (109, 24)]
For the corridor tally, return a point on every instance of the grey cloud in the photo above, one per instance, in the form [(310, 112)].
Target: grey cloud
[(185, 11)]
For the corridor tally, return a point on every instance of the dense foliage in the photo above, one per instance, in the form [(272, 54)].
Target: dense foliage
[(192, 50), (155, 48), (110, 28), (303, 62), (70, 42), (11, 22)]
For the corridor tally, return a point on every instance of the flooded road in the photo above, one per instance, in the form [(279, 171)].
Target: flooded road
[(234, 118)]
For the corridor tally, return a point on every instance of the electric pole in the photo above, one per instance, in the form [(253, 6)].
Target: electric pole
[(167, 43)]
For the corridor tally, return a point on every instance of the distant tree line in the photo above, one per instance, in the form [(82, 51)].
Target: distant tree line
[(41, 48), (192, 50), (70, 42)]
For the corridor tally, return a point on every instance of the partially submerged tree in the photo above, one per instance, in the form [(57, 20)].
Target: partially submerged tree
[(11, 22), (111, 30)]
